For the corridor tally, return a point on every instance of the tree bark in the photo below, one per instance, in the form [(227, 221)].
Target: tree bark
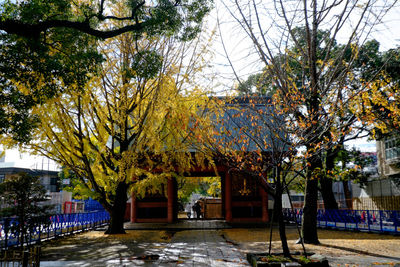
[(327, 194), (309, 220), (117, 213), (330, 202), (314, 163), (281, 223), (347, 194)]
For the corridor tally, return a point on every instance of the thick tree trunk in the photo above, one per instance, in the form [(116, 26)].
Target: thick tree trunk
[(327, 194), (117, 213), (326, 182), (309, 220), (347, 195)]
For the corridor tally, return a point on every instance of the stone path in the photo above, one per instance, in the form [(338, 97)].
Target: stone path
[(180, 225), (201, 248), (186, 248)]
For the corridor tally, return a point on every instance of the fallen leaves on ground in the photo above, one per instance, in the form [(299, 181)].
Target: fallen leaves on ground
[(333, 243)]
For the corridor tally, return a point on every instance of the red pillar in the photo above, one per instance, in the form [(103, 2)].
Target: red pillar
[(170, 192), (228, 197), (133, 208), (264, 201)]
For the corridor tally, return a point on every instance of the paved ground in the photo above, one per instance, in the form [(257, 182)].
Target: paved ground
[(187, 247), (201, 248), (182, 225), (211, 243)]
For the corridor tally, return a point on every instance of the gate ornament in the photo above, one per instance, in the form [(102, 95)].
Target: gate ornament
[(245, 191)]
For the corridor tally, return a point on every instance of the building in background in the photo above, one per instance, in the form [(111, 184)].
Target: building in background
[(12, 162), (388, 153), (380, 191), (49, 179), (18, 159), (384, 191)]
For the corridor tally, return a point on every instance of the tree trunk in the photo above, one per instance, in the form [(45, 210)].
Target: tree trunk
[(309, 220), (281, 223), (347, 195), (327, 194), (117, 213), (314, 163), (326, 182)]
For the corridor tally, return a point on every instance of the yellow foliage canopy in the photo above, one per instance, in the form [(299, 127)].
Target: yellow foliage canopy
[(126, 128)]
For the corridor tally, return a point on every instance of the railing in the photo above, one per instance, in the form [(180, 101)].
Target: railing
[(51, 226), (16, 257), (382, 221)]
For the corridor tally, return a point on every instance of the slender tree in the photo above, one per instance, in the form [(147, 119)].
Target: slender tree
[(316, 97), (255, 140)]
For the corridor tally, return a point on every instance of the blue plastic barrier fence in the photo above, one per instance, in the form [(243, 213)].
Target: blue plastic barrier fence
[(48, 227), (381, 221), (92, 205)]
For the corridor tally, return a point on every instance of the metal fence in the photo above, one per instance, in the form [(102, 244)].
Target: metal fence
[(20, 258), (51, 226), (382, 221)]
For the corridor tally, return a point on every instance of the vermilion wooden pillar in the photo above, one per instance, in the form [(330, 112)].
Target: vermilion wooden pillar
[(133, 209), (170, 192), (228, 197), (264, 201)]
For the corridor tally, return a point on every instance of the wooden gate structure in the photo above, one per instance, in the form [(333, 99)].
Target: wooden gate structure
[(243, 197), (243, 200)]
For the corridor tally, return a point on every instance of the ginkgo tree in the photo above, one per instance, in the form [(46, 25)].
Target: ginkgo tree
[(133, 125), (44, 41)]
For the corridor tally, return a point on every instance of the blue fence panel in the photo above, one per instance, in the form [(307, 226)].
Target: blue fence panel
[(374, 221), (92, 205), (321, 218), (52, 226), (363, 220), (7, 236), (352, 219), (397, 220), (362, 223), (292, 215), (388, 220)]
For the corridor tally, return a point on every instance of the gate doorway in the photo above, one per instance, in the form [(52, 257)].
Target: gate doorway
[(236, 198), (199, 198)]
